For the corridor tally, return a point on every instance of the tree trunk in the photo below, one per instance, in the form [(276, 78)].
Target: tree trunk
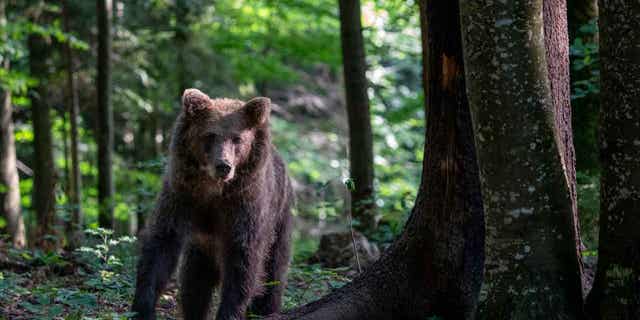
[(105, 115), (453, 244), (359, 118), (616, 289), (434, 268), (181, 38), (519, 99), (9, 179), (44, 170), (75, 226), (157, 135)]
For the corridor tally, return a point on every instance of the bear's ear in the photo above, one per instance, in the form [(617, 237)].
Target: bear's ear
[(193, 100), (257, 111)]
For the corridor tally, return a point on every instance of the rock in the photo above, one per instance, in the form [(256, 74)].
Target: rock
[(336, 250)]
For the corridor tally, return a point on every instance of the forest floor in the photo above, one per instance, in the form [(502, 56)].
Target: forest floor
[(97, 282)]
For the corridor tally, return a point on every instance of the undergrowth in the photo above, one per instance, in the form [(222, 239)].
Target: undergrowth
[(97, 281)]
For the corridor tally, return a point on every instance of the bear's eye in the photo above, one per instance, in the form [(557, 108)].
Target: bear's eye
[(237, 140), (210, 138)]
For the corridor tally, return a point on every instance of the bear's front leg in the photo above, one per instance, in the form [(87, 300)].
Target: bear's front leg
[(157, 263), (161, 244), (242, 270)]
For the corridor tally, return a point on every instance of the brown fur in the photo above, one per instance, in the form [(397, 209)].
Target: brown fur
[(225, 205)]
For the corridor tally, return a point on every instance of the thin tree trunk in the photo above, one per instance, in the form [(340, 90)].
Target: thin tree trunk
[(181, 38), (75, 227), (105, 115), (65, 152), (556, 40), (359, 117), (616, 289), (9, 179), (518, 94), (435, 266), (157, 134), (44, 171)]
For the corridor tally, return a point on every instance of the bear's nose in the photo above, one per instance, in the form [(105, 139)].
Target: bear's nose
[(223, 169)]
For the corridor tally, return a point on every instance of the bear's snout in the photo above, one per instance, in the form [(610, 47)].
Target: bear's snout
[(223, 169)]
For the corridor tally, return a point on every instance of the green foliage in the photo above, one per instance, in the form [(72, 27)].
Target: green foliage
[(101, 284), (394, 56), (585, 95), (586, 59), (14, 35), (105, 252), (589, 208), (585, 100), (303, 247), (262, 39), (308, 282), (234, 49)]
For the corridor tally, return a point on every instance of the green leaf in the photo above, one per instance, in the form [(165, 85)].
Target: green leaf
[(350, 184)]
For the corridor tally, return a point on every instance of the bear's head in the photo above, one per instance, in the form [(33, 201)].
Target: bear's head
[(221, 135)]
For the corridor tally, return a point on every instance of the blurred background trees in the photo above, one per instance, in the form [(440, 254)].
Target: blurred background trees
[(288, 50)]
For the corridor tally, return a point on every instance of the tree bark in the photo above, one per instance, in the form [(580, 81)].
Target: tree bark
[(453, 244), (44, 170), (359, 117), (616, 289), (75, 226), (105, 115), (434, 268), (9, 179), (516, 56)]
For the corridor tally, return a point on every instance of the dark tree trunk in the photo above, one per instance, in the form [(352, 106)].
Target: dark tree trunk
[(105, 115), (75, 225), (359, 118), (519, 100), (181, 39), (616, 289), (453, 230), (9, 179), (435, 266), (44, 170)]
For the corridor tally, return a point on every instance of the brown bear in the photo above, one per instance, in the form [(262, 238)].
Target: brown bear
[(225, 206)]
